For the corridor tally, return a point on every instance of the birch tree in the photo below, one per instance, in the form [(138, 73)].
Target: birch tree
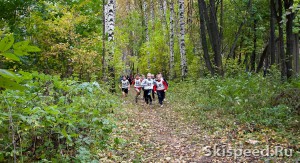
[(152, 12), (146, 29), (110, 11), (103, 38), (171, 39), (163, 8), (181, 40)]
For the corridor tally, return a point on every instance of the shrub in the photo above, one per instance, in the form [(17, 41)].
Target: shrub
[(246, 98), (54, 120)]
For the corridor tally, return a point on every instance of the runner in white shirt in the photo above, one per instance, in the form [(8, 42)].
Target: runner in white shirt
[(148, 86), (125, 86)]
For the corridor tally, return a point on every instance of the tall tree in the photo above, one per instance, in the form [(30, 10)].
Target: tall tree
[(254, 26), (253, 55), (110, 13), (296, 54), (182, 40), (272, 32), (203, 39), (145, 6), (221, 22), (215, 37), (103, 38), (279, 14), (213, 32), (152, 12), (171, 39), (289, 37)]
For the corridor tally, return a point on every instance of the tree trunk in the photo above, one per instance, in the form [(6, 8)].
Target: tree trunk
[(262, 58), (152, 13), (296, 54), (171, 39), (213, 32), (216, 37), (181, 40), (103, 40), (221, 23), (111, 9), (253, 56), (146, 30), (281, 39), (163, 8), (203, 39), (272, 32), (189, 16), (289, 38)]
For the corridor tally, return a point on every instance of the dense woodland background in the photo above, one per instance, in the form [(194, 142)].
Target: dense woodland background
[(239, 53), (155, 36)]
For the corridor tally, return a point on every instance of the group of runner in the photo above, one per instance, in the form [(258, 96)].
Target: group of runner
[(150, 86)]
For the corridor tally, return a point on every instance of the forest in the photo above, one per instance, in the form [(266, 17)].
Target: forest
[(232, 69)]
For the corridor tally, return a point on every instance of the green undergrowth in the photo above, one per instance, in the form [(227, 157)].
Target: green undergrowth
[(55, 120), (245, 104)]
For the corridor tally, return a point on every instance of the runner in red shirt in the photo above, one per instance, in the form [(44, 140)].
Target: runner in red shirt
[(160, 87)]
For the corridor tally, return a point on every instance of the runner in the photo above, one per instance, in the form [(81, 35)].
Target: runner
[(137, 86), (148, 85), (125, 86), (160, 87)]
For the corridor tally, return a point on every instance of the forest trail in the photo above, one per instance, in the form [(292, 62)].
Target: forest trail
[(155, 134), (160, 134)]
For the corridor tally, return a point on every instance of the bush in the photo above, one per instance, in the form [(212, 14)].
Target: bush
[(289, 97), (55, 120), (246, 98)]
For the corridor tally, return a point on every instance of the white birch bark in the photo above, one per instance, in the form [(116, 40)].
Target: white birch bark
[(110, 14), (110, 18), (171, 39), (146, 29), (181, 39), (152, 12)]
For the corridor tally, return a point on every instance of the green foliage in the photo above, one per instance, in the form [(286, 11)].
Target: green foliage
[(233, 68), (288, 97), (12, 52), (55, 120), (244, 99)]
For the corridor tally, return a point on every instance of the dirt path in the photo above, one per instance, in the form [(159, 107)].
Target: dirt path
[(155, 134)]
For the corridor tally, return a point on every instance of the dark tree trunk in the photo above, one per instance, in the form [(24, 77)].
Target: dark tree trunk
[(281, 39), (213, 32), (221, 23), (253, 56), (262, 58), (203, 39), (296, 54), (216, 37), (272, 32), (289, 39)]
